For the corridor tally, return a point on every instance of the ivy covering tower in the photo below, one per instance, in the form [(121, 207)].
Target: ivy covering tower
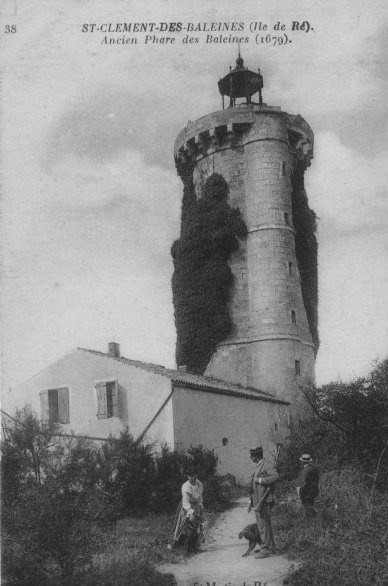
[(202, 278)]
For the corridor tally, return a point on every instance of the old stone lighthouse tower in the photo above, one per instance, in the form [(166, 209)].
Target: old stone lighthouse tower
[(262, 153)]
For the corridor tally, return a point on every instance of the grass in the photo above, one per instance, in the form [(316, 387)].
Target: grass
[(129, 552), (133, 548), (146, 538), (345, 544)]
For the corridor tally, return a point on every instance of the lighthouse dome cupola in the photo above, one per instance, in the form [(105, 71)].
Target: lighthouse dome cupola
[(241, 82)]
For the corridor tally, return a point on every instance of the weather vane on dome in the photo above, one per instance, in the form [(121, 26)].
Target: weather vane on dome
[(240, 82)]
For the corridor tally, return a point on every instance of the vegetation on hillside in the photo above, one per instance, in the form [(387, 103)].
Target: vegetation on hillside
[(61, 498), (346, 543)]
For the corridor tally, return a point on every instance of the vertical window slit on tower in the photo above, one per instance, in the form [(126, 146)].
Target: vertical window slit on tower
[(297, 366), (287, 218), (282, 168), (293, 316), (289, 267)]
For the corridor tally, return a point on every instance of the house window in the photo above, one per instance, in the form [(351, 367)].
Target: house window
[(54, 405), (107, 400), (297, 367), (293, 316), (225, 441)]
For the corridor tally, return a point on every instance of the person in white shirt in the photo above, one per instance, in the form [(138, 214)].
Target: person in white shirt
[(189, 521)]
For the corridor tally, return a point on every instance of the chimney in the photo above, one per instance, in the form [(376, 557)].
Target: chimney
[(114, 349)]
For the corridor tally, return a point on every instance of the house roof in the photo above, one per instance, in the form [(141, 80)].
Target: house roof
[(194, 381)]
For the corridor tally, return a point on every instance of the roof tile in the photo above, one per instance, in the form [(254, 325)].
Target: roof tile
[(194, 381)]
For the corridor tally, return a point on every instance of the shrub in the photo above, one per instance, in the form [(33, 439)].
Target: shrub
[(321, 440), (127, 472), (170, 475), (21, 566), (55, 526), (346, 542), (358, 412), (54, 509), (204, 460), (29, 450), (349, 426), (170, 470)]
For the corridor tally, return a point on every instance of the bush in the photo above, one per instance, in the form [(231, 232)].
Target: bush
[(144, 481), (55, 508), (358, 410), (321, 440), (53, 505), (55, 527), (346, 542), (131, 472), (21, 566), (29, 451), (171, 474)]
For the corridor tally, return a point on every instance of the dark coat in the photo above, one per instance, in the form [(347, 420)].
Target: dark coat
[(263, 492), (308, 482)]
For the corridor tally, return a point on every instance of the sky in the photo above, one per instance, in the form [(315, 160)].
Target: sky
[(91, 200)]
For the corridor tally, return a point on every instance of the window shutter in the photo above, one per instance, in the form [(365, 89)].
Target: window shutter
[(102, 407), (63, 404), (44, 405), (115, 399)]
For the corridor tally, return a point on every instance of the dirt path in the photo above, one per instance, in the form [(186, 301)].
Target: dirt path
[(221, 564)]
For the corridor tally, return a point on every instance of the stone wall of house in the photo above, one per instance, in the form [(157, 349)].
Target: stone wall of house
[(229, 425), (140, 395)]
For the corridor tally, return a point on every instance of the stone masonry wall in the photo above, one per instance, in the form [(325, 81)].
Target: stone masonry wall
[(255, 150)]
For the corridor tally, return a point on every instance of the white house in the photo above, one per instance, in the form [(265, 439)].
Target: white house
[(97, 394)]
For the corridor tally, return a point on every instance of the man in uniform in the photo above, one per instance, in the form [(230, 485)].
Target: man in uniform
[(262, 499)]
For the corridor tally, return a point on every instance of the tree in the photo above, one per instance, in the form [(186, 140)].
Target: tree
[(53, 501), (29, 449), (359, 409)]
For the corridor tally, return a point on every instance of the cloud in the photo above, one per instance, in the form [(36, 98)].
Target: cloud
[(353, 312), (80, 182), (347, 189), (122, 204)]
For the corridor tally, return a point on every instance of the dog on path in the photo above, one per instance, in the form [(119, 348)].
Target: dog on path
[(250, 532)]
